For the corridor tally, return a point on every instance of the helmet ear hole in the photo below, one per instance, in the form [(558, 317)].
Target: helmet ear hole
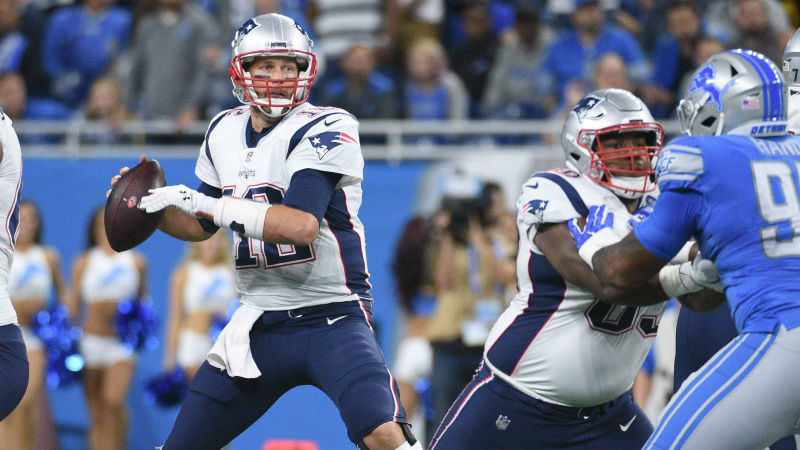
[(709, 121), (734, 72)]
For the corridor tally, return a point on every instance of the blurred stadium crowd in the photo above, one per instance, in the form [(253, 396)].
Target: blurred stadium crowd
[(116, 60)]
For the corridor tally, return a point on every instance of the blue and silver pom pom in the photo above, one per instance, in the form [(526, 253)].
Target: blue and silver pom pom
[(136, 324)]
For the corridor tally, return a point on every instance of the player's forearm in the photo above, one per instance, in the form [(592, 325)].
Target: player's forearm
[(286, 225), (626, 264), (181, 226), (649, 293), (703, 301)]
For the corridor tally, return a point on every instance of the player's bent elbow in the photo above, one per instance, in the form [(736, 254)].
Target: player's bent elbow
[(306, 230)]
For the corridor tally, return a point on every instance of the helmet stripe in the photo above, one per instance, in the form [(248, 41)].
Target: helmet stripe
[(773, 84), (764, 92)]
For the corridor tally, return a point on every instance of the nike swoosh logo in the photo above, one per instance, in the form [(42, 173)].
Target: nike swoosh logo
[(327, 124), (625, 427), (333, 321), (533, 186)]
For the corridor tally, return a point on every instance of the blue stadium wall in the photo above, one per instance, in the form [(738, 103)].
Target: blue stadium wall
[(69, 190)]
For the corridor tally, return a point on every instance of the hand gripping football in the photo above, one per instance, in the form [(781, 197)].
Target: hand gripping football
[(126, 225)]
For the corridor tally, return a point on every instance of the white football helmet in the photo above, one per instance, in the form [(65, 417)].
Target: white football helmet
[(791, 74), (607, 112), (272, 35), (735, 92)]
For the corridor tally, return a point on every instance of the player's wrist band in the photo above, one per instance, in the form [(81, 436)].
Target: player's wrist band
[(603, 238), (243, 216)]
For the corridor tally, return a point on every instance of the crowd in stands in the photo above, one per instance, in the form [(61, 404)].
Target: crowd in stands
[(113, 60)]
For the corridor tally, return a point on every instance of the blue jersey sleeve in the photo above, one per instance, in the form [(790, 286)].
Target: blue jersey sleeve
[(680, 165), (671, 224)]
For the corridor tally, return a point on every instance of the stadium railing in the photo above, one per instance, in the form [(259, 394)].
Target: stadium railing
[(390, 140)]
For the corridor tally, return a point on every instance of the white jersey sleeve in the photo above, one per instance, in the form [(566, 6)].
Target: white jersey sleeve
[(331, 144), (546, 198), (205, 169), (10, 189)]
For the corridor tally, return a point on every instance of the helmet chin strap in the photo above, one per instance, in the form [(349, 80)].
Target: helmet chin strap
[(625, 187)]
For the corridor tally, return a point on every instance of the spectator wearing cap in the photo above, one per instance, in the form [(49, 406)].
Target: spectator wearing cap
[(575, 51)]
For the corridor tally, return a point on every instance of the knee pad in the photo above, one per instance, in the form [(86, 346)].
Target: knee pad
[(410, 444)]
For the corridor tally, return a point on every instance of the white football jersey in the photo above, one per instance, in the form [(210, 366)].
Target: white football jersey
[(10, 189), (556, 341), (276, 277)]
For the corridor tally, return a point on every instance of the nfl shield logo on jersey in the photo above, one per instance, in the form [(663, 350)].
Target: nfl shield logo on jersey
[(502, 422)]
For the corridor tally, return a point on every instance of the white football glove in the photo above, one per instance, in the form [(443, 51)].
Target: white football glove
[(187, 200), (691, 276), (705, 273)]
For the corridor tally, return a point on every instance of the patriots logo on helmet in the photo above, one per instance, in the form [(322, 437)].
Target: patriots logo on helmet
[(536, 207), (247, 27), (584, 106), (705, 81), (325, 142)]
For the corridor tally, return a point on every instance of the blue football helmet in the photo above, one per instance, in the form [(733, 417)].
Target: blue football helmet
[(735, 92)]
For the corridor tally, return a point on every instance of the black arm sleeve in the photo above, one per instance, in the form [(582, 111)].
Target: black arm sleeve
[(210, 191), (311, 190)]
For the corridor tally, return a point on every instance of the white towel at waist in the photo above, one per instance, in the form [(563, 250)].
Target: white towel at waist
[(232, 349)]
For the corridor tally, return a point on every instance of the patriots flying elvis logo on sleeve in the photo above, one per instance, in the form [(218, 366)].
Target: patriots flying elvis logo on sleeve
[(327, 141), (536, 207)]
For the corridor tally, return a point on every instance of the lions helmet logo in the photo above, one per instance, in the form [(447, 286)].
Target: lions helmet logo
[(327, 141), (705, 81)]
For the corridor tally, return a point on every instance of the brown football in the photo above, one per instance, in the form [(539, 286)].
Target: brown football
[(126, 225)]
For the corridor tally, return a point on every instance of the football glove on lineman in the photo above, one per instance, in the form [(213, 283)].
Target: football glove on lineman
[(595, 221)]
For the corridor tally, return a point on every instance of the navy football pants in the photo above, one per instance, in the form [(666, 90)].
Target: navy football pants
[(13, 369), (332, 347), (490, 414)]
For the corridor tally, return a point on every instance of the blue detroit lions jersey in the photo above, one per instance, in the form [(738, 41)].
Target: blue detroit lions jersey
[(746, 219)]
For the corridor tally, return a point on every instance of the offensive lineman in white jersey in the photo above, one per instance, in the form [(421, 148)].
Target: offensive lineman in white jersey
[(285, 177), (13, 356), (560, 361)]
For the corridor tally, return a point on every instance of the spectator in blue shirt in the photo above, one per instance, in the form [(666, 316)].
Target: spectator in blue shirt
[(432, 91), (80, 44), (573, 53), (673, 58), (361, 90), (15, 103), (473, 59)]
